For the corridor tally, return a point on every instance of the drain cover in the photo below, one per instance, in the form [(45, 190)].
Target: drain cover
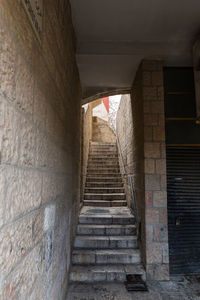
[(135, 283)]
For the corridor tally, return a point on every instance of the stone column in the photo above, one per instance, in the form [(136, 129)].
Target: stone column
[(156, 220)]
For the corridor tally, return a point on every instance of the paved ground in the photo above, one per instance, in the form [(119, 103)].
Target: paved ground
[(179, 288)]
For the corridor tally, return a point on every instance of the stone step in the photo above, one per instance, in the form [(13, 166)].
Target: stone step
[(104, 184), (103, 158), (103, 155), (101, 164), (106, 219), (83, 229), (105, 246), (98, 159), (102, 143), (105, 242), (95, 175), (105, 203), (113, 196), (111, 211), (102, 273), (101, 179), (106, 256), (108, 190), (103, 170), (103, 151), (103, 148)]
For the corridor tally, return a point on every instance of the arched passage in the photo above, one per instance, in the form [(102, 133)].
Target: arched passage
[(143, 116), (94, 95)]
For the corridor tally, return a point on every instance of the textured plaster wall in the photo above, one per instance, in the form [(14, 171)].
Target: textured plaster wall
[(39, 151)]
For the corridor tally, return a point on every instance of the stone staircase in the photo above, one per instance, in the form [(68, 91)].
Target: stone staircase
[(105, 247)]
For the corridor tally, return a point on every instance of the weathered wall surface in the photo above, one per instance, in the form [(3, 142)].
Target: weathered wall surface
[(101, 131), (86, 138), (124, 129), (130, 131), (39, 151), (93, 129), (148, 164), (155, 171)]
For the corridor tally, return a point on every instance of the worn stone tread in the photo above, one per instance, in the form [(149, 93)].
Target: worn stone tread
[(103, 184), (109, 196), (102, 242), (106, 245), (103, 177), (105, 203), (106, 256), (101, 273), (106, 190), (106, 229)]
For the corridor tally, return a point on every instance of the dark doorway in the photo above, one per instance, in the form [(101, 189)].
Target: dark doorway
[(183, 171)]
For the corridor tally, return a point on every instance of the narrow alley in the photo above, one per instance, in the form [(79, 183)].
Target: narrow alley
[(96, 202)]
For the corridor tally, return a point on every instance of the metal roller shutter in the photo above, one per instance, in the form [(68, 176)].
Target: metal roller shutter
[(183, 188)]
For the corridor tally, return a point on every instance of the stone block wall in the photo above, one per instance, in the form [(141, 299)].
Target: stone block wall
[(124, 129), (157, 256), (39, 151), (86, 138), (147, 161), (130, 132), (101, 131)]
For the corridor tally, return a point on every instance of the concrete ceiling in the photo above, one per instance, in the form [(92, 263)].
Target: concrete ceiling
[(113, 36)]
